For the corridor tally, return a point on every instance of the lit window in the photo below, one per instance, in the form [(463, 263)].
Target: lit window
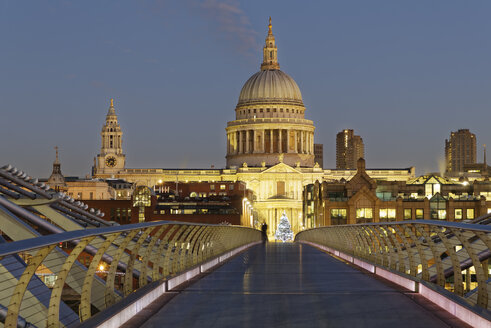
[(407, 214), (222, 187), (365, 212), (442, 214), (419, 213), (387, 213), (338, 216), (212, 187), (470, 213), (458, 214)]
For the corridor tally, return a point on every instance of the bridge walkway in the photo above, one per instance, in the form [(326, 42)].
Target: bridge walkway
[(294, 285)]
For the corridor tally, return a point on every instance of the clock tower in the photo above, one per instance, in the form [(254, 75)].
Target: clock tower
[(111, 159)]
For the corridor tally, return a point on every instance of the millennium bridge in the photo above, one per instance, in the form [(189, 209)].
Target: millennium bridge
[(63, 265)]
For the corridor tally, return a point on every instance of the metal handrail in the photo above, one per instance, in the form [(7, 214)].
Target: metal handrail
[(438, 252), (137, 253)]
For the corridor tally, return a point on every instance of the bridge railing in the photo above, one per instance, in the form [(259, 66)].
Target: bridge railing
[(63, 279), (436, 252)]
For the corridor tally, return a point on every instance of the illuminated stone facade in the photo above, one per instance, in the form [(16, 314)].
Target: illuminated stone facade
[(111, 158), (270, 147), (270, 125)]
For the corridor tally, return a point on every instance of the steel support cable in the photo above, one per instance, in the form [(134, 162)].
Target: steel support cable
[(434, 251), (11, 194), (394, 244), (85, 299), (383, 248), (37, 221), (25, 184), (110, 296), (20, 288), (84, 212), (161, 253), (482, 293), (166, 260), (180, 249), (128, 278), (421, 254), (55, 299), (17, 189), (457, 272), (185, 249), (74, 215), (373, 250), (410, 251), (147, 257), (195, 241)]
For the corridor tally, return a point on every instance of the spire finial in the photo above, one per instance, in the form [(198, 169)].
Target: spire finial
[(270, 52), (57, 159), (112, 102)]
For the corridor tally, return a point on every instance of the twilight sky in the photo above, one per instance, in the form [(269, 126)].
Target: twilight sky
[(402, 74)]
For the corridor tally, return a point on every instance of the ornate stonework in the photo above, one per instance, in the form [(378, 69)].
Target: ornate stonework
[(270, 147), (270, 118), (111, 158)]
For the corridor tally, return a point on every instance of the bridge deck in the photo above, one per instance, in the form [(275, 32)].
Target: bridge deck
[(291, 285)]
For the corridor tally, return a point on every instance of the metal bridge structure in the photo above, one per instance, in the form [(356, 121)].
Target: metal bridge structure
[(63, 265), (446, 262)]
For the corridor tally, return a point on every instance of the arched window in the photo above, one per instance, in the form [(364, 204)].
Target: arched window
[(270, 55)]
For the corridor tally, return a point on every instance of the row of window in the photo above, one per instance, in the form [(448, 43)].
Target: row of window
[(390, 213), (222, 187), (267, 110), (204, 194)]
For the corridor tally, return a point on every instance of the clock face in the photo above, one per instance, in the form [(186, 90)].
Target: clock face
[(111, 161)]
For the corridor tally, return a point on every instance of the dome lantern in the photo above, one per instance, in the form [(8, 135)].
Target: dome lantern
[(270, 52)]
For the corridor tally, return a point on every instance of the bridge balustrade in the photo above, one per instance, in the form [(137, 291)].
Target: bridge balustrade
[(436, 252), (34, 288)]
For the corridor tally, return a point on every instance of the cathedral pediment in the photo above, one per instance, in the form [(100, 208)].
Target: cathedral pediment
[(281, 168)]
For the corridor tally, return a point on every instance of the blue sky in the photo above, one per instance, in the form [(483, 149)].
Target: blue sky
[(403, 74)]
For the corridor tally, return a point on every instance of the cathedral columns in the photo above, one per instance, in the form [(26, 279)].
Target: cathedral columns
[(247, 141), (280, 141), (295, 146), (241, 144), (287, 141), (302, 149), (263, 142), (271, 141)]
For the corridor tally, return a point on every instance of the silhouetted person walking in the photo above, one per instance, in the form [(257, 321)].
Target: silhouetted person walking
[(264, 229)]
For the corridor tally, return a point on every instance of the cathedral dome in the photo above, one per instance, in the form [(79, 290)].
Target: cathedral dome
[(270, 86)]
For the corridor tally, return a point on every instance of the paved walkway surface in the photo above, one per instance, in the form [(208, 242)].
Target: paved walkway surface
[(290, 285)]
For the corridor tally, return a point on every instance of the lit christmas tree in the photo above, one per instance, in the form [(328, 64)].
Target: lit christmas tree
[(284, 231)]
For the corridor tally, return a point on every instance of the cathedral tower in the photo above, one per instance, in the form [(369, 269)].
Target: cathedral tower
[(111, 158), (270, 125)]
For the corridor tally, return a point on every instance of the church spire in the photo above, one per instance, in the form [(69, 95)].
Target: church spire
[(57, 161), (270, 52), (56, 179)]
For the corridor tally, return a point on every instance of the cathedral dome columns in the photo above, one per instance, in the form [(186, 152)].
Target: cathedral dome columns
[(270, 126)]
